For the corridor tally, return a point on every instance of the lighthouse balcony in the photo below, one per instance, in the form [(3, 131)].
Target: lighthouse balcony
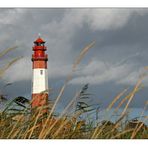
[(39, 48), (40, 58)]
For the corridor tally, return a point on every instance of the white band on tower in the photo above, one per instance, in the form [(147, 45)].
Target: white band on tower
[(40, 80)]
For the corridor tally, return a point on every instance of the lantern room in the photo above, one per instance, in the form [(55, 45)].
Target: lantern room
[(39, 49)]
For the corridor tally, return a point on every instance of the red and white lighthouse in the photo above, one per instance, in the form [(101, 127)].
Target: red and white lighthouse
[(40, 74)]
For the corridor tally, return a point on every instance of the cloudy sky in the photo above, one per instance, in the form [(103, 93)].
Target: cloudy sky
[(114, 63)]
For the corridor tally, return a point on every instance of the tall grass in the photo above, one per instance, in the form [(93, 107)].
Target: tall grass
[(18, 121)]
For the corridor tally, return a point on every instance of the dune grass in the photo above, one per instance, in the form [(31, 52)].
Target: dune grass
[(19, 121)]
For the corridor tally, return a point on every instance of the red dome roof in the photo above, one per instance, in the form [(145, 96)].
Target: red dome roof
[(39, 40)]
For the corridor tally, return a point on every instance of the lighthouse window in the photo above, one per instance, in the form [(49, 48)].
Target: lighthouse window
[(41, 72)]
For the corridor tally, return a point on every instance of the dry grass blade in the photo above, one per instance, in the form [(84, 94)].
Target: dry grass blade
[(124, 100), (52, 110), (118, 123), (64, 124), (122, 133), (81, 55), (120, 104), (133, 94), (137, 130), (57, 99), (2, 71), (44, 133), (15, 134), (97, 131), (4, 52), (14, 127), (116, 98), (138, 127), (119, 120), (35, 122), (39, 111), (111, 130)]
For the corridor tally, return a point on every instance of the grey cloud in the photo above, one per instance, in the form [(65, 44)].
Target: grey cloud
[(117, 58)]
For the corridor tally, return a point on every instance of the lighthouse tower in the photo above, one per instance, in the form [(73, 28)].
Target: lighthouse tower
[(40, 74)]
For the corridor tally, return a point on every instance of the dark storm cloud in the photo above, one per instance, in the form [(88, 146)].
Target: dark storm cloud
[(114, 63)]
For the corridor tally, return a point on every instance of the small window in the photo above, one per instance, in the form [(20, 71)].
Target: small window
[(41, 72)]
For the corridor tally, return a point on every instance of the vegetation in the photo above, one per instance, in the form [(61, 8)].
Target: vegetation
[(19, 121)]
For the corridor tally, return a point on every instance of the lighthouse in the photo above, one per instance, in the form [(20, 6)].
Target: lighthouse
[(40, 74)]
